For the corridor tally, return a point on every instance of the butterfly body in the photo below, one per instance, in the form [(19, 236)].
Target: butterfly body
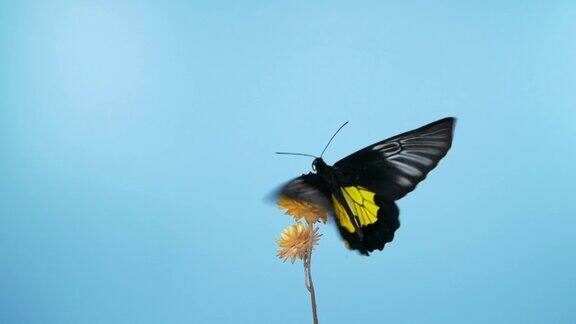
[(361, 189)]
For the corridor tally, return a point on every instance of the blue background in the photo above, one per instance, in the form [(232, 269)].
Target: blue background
[(137, 143)]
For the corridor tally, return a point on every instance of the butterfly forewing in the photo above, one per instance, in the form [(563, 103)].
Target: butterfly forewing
[(393, 167)]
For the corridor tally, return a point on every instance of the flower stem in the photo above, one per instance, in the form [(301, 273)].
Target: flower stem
[(308, 278)]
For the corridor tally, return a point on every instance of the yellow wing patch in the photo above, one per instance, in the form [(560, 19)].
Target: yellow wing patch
[(361, 202)]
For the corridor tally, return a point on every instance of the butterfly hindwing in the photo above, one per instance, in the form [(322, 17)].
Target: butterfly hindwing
[(360, 202), (393, 167), (377, 219)]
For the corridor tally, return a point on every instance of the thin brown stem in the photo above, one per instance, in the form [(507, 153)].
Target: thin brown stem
[(308, 276)]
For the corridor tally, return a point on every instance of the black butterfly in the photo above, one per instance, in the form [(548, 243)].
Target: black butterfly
[(360, 190)]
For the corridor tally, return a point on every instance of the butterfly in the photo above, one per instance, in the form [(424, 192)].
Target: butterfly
[(360, 190)]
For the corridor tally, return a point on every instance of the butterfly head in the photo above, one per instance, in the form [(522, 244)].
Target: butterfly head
[(318, 164)]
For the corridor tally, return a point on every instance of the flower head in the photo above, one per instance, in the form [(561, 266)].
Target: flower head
[(302, 209), (296, 240)]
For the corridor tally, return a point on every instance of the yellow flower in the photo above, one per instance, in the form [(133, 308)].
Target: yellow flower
[(302, 209), (296, 240)]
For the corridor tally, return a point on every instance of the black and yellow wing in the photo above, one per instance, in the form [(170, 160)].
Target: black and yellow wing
[(376, 219), (374, 177)]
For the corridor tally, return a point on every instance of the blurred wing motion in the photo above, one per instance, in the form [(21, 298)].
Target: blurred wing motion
[(309, 188), (393, 167)]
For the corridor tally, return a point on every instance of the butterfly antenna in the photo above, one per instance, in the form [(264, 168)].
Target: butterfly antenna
[(331, 138), (289, 153)]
